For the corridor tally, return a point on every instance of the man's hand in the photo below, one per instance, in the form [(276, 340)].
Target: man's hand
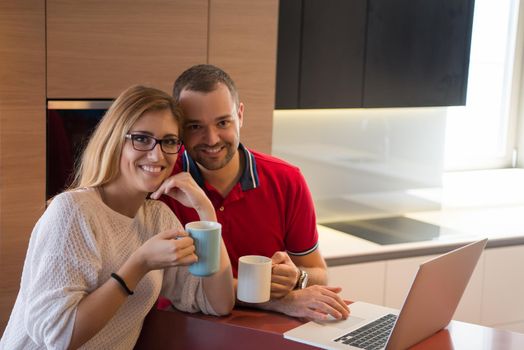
[(284, 275), (314, 303)]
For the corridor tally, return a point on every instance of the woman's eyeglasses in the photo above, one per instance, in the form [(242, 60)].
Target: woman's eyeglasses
[(169, 145)]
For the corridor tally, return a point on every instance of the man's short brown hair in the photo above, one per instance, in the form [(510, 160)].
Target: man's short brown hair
[(204, 78)]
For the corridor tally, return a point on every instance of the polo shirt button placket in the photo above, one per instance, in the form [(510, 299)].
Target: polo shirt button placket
[(221, 208)]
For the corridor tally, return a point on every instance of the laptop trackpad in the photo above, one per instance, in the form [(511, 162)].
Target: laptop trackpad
[(344, 325)]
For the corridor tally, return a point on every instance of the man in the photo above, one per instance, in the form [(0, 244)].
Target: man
[(262, 202)]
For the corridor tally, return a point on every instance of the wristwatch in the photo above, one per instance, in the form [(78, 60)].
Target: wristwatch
[(302, 279)]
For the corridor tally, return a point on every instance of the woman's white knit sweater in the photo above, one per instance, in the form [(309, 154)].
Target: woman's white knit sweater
[(74, 247)]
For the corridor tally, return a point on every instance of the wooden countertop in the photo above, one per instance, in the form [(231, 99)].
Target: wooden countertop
[(255, 329)]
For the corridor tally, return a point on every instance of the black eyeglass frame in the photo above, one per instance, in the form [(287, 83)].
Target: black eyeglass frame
[(157, 142)]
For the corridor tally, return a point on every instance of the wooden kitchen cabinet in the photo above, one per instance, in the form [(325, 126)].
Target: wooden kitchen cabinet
[(96, 48), (332, 56), (289, 41), (22, 138), (417, 53), (22, 130), (243, 41), (65, 49), (320, 54), (374, 53)]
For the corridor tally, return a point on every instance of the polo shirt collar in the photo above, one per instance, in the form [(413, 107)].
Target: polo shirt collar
[(248, 181)]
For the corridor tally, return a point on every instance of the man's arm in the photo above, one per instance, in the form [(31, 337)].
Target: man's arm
[(313, 303), (315, 266), (285, 271)]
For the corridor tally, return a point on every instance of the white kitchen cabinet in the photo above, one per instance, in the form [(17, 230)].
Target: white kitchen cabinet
[(399, 276), (494, 296), (503, 299), (401, 272), (512, 327), (360, 282)]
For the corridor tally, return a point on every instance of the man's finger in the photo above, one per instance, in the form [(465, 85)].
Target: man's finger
[(278, 258), (283, 270), (285, 281)]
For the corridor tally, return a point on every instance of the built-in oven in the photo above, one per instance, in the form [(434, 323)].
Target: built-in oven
[(69, 126)]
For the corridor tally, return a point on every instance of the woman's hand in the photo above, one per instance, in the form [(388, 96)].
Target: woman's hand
[(166, 249), (183, 188)]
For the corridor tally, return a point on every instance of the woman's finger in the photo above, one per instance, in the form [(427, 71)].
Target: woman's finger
[(186, 260)]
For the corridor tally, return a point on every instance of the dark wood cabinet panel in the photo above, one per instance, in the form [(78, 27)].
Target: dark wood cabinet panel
[(332, 53), (289, 41), (417, 52), (373, 53)]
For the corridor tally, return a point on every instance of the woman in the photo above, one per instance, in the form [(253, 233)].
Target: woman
[(102, 252)]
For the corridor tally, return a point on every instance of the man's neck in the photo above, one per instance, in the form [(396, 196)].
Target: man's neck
[(224, 179)]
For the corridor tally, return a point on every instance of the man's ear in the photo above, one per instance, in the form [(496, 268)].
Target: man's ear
[(240, 114)]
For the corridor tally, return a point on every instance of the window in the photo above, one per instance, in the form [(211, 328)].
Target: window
[(482, 134)]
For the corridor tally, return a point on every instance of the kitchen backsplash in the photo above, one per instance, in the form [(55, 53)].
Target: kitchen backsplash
[(365, 162)]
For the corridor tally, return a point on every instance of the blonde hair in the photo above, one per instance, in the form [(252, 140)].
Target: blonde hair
[(101, 158)]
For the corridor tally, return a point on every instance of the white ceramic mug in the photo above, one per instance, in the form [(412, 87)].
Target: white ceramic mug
[(254, 279)]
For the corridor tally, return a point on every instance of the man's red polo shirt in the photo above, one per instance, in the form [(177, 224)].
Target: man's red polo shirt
[(270, 209)]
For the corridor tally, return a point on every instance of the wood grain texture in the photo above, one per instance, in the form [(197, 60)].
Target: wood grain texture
[(243, 41), (22, 138), (95, 49), (98, 48)]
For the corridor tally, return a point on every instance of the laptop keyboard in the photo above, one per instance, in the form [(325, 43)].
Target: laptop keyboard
[(372, 336)]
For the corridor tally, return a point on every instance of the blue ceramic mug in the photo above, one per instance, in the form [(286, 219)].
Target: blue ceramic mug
[(207, 236)]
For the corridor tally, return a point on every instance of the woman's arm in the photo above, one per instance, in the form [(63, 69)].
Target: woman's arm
[(218, 287), (95, 310)]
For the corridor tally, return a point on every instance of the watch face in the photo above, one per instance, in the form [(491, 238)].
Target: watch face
[(303, 279)]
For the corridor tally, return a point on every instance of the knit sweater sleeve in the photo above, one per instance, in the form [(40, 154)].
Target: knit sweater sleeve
[(185, 291), (62, 267)]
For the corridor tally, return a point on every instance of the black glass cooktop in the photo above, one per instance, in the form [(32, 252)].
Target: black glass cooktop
[(392, 230)]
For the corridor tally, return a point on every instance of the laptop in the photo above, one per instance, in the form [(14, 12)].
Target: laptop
[(429, 307)]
